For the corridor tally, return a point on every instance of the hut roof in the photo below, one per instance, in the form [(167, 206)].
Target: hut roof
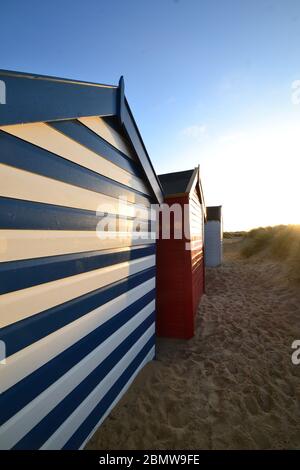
[(37, 98), (175, 183), (214, 213), (182, 183)]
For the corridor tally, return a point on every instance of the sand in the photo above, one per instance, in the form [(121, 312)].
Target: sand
[(233, 386)]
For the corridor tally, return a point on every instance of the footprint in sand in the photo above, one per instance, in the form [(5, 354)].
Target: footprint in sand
[(264, 401)]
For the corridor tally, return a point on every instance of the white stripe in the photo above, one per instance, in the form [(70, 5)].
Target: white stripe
[(70, 425), (150, 356), (54, 141), (17, 305), (100, 127), (20, 184), (20, 424), (26, 361), (24, 244)]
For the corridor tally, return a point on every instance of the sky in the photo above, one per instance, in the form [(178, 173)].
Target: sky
[(210, 82)]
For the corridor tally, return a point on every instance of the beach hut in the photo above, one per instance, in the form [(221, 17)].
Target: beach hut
[(213, 236), (77, 260), (180, 260)]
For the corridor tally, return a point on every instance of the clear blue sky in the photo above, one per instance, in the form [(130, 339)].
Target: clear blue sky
[(209, 82)]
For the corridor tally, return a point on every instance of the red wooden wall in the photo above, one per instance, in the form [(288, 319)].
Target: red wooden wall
[(180, 274)]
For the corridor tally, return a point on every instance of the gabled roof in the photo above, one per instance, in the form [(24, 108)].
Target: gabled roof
[(38, 98), (175, 183), (214, 213), (182, 183)]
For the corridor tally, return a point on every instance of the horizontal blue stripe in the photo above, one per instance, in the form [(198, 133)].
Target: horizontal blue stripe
[(32, 98), (15, 398), (21, 334), (23, 155), (82, 134), (16, 275), (18, 214), (47, 426), (94, 417)]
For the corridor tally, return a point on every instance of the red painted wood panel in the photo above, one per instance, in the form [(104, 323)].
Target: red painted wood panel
[(180, 275)]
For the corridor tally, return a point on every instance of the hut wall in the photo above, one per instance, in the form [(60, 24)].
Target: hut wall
[(173, 277), (213, 243), (77, 311), (180, 273), (197, 247)]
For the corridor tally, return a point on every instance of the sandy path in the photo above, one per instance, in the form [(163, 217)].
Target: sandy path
[(233, 386)]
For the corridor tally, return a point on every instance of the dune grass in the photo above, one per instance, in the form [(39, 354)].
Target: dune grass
[(281, 243), (238, 234)]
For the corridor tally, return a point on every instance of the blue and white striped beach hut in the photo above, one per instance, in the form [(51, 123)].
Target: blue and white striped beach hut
[(77, 311)]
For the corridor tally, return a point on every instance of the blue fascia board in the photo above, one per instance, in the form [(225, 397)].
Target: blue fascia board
[(32, 98), (132, 131)]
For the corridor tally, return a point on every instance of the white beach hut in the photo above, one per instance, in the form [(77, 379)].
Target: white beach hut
[(213, 236)]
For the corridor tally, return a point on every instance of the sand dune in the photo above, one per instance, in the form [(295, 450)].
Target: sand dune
[(233, 386)]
